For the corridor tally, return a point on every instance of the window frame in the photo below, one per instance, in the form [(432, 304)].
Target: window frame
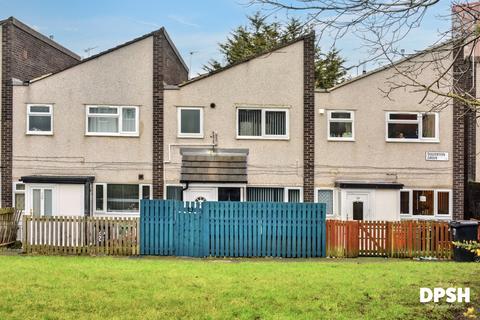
[(105, 210), (285, 195), (118, 115), (199, 135), (330, 120), (435, 215), (50, 113), (418, 122), (15, 192), (334, 200), (263, 135)]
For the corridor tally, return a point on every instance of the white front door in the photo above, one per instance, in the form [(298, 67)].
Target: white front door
[(358, 206), (200, 194)]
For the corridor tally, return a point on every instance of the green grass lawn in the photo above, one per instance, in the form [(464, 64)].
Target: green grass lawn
[(147, 288)]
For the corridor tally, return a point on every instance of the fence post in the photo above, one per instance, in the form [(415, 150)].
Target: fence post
[(24, 233), (205, 214)]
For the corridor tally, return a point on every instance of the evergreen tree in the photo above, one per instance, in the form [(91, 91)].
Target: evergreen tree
[(260, 35)]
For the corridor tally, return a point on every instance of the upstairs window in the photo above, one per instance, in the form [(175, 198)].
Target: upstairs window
[(341, 126), (112, 121), (190, 122), (262, 123), (412, 127), (39, 119)]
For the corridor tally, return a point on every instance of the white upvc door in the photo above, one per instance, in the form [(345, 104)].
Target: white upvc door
[(42, 201), (200, 194), (358, 205)]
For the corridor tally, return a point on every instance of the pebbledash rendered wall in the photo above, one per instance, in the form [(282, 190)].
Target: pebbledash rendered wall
[(25, 54)]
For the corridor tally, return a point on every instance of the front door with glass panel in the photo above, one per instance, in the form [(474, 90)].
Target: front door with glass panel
[(41, 201), (200, 194), (358, 206)]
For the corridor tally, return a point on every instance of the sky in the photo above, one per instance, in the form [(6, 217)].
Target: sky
[(195, 26)]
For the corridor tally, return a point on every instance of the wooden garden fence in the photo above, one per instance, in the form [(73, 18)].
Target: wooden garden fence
[(9, 218), (399, 239), (65, 235)]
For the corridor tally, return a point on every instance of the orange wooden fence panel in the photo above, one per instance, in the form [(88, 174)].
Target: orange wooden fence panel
[(399, 239)]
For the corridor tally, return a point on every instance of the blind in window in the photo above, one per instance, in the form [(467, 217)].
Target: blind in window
[(265, 194), (249, 122), (175, 193), (275, 123), (293, 195)]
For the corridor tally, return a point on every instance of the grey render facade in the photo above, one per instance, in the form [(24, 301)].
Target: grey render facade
[(93, 137)]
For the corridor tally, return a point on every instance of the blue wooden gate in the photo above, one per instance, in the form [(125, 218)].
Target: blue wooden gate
[(232, 229)]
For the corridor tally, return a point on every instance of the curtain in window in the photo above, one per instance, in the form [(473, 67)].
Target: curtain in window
[(428, 126), (128, 119), (326, 196), (443, 205), (103, 124), (20, 201), (423, 202), (293, 195), (190, 121), (265, 194), (249, 122), (275, 123), (99, 197), (175, 193), (122, 197), (404, 202)]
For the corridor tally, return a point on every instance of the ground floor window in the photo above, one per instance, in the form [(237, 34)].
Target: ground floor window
[(174, 193), (122, 198), (326, 196), (19, 196), (425, 203), (270, 194), (229, 194)]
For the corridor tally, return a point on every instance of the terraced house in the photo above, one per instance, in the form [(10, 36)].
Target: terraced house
[(93, 137)]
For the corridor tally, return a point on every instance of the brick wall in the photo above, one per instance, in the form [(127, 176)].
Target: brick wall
[(24, 57), (464, 140), (167, 68), (309, 118)]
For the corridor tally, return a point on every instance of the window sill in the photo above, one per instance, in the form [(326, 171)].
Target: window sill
[(418, 217), (263, 138), (35, 133), (183, 136), (341, 139), (118, 213), (411, 141), (134, 135)]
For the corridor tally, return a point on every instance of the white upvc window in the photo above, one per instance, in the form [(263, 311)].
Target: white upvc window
[(262, 123), (19, 196), (426, 203), (120, 198), (412, 127), (293, 194), (40, 119), (341, 125), (190, 122), (329, 197), (104, 120)]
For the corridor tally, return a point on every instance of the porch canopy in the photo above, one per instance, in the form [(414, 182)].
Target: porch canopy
[(213, 165), (357, 184)]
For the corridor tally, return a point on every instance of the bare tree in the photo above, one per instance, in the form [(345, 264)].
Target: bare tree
[(381, 25)]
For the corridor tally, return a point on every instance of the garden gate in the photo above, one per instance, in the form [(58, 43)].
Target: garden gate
[(232, 229)]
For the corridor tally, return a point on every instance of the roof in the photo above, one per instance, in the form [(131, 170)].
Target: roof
[(385, 67), (344, 184), (208, 165), (40, 36), (125, 44), (280, 46), (58, 179)]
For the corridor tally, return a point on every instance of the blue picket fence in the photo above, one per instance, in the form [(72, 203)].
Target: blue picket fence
[(232, 229)]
